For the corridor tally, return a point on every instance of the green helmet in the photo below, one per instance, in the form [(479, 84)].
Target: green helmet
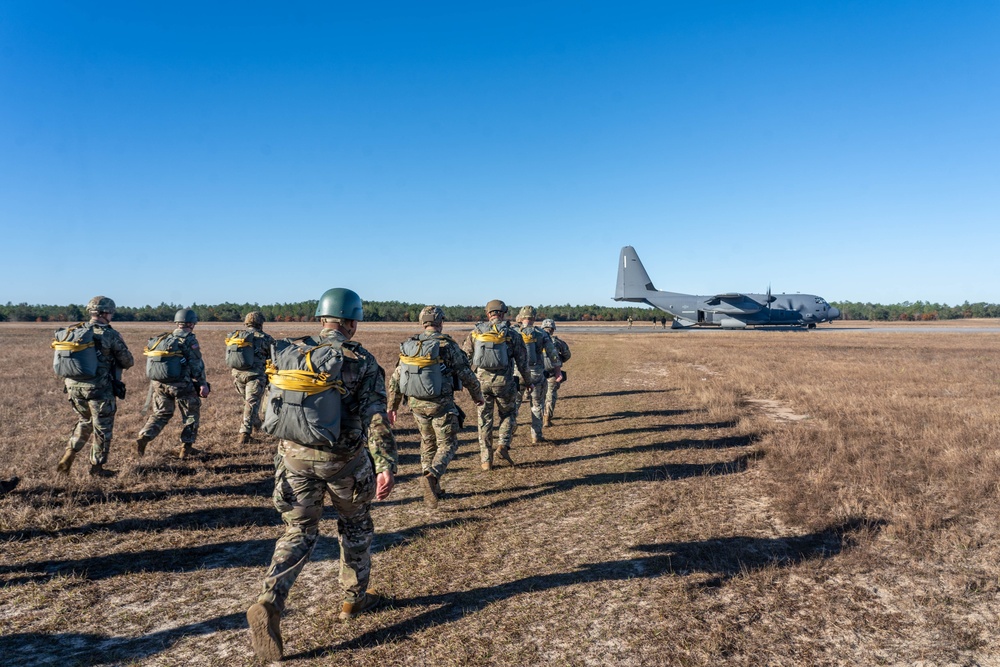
[(254, 318), (496, 305), (431, 315), (549, 324), (185, 316), (527, 312), (341, 303), (101, 304)]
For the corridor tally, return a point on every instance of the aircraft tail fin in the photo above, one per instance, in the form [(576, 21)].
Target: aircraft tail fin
[(633, 281)]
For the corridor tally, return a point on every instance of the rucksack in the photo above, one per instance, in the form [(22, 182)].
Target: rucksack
[(165, 358), (489, 348), (75, 352), (420, 368), (304, 400), (240, 350)]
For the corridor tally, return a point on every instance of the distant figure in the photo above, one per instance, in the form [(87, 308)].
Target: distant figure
[(541, 350), (247, 353), (629, 321), (495, 349), (654, 321), (431, 367), (663, 322), (8, 485), (91, 357), (336, 442), (562, 349), (176, 380)]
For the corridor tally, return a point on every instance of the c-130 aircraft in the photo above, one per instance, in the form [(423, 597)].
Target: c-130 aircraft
[(729, 311)]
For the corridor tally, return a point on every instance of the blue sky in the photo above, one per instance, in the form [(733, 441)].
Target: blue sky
[(458, 152)]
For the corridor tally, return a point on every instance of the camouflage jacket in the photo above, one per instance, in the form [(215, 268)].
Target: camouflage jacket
[(561, 348), (517, 353), (456, 369), (262, 345), (364, 405), (544, 348), (111, 353)]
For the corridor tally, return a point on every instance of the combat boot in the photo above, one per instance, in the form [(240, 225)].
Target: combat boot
[(97, 470), (188, 451), (436, 488), (243, 439), (427, 483), (66, 462), (264, 620), (504, 453), (537, 438), (140, 445), (486, 465), (547, 419), (366, 602)]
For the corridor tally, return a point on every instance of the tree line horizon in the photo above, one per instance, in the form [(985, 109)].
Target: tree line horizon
[(400, 311)]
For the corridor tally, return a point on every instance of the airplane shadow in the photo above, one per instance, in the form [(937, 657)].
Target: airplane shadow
[(724, 558)]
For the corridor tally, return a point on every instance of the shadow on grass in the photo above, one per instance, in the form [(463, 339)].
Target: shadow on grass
[(623, 392), (644, 429), (625, 414), (723, 558), (726, 442), (222, 555)]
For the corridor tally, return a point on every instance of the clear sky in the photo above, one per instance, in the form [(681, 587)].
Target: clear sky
[(455, 152)]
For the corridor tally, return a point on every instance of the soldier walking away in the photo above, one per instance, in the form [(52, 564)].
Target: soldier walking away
[(495, 349), (629, 321), (541, 353), (326, 402), (431, 369), (562, 349), (91, 357), (247, 353), (176, 379), (8, 485)]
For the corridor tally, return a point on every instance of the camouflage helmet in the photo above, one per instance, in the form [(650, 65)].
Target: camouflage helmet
[(340, 303), (101, 304), (254, 318), (496, 305), (527, 312), (185, 316), (431, 315), (549, 323)]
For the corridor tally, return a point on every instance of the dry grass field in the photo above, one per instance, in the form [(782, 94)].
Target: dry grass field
[(708, 498)]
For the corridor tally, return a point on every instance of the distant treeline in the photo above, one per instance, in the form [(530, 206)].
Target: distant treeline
[(398, 311)]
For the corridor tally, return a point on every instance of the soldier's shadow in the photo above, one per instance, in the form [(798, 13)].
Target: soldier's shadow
[(723, 558)]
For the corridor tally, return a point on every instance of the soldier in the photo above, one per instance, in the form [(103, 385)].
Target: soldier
[(562, 349), (183, 390), (247, 353), (540, 350), (629, 321), (349, 388), (94, 399), (8, 485), (431, 367), (495, 349)]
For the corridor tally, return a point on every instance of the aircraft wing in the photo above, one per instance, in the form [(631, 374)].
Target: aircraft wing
[(733, 303)]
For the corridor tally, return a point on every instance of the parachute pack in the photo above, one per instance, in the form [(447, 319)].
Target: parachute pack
[(165, 358), (420, 368), (240, 350), (529, 342), (489, 347), (304, 400), (75, 352)]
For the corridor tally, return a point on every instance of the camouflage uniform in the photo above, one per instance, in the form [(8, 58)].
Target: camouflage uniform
[(562, 349), (94, 400), (499, 388), (437, 418), (181, 394), (543, 349), (304, 475), (252, 384)]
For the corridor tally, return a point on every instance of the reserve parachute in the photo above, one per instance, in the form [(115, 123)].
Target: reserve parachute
[(165, 358), (420, 367), (489, 347), (304, 400), (75, 352)]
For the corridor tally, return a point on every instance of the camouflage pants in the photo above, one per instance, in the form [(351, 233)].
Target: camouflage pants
[(551, 395), (165, 398), (438, 425), (96, 409), (251, 389), (500, 392), (536, 396), (299, 489)]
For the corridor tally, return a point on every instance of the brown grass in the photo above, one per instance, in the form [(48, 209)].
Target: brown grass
[(671, 521)]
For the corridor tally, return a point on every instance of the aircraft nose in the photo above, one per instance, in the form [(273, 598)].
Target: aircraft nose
[(833, 313)]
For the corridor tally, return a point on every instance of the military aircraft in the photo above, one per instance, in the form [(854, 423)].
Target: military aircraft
[(729, 311)]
